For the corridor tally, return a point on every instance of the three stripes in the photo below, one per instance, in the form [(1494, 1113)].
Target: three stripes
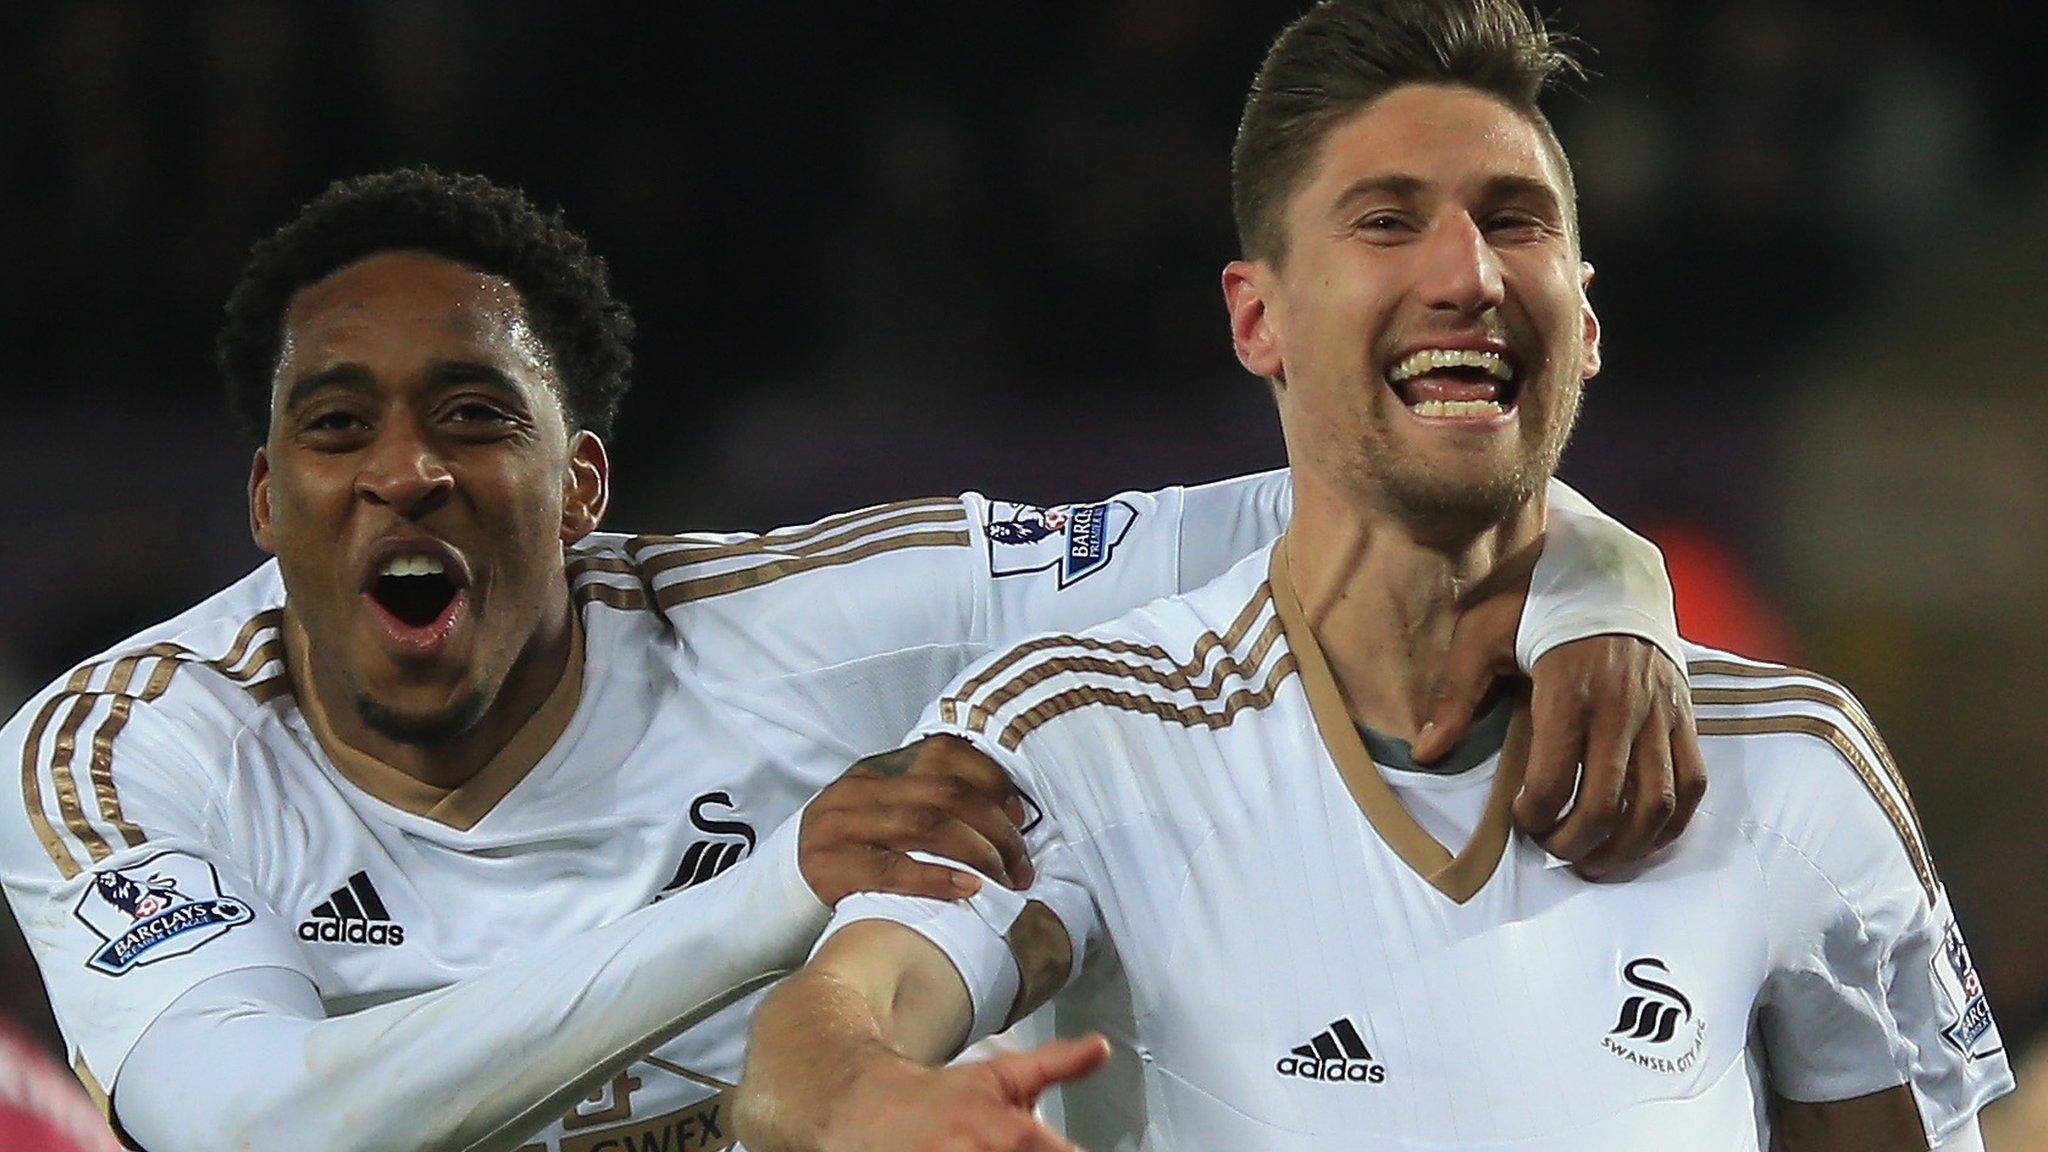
[(108, 690), (671, 570), (978, 702)]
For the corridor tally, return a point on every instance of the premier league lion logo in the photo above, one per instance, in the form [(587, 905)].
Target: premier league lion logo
[(1073, 540), (140, 900), (168, 905)]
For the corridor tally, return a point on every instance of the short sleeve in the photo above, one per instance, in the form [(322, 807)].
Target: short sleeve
[(1871, 983), (118, 877)]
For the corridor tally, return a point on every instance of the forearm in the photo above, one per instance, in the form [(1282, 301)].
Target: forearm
[(877, 1003), (814, 1037), (478, 1065)]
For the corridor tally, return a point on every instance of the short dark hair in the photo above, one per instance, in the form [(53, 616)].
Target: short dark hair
[(467, 219), (1342, 55)]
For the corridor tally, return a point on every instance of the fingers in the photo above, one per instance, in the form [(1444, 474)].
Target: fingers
[(1616, 706), (980, 837), (1557, 719), (1482, 648), (1024, 1075), (905, 876), (1688, 772), (953, 759), (939, 796), (1596, 809), (1652, 801)]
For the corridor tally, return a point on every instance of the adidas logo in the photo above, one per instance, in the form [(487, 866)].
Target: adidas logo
[(1337, 1054), (353, 915)]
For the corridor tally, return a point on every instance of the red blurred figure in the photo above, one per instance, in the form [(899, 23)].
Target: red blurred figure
[(1719, 603), (42, 1109)]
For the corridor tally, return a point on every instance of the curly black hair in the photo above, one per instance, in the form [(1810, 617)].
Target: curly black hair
[(467, 219)]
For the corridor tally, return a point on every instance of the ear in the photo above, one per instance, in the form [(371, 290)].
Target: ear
[(586, 487), (1591, 322), (1253, 331), (259, 501)]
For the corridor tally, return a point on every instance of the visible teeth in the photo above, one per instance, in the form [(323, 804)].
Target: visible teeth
[(412, 566), (1430, 359), (1447, 408)]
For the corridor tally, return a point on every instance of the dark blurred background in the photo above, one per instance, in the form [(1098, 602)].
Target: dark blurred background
[(890, 249)]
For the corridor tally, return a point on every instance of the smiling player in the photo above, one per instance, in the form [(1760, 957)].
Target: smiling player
[(465, 825), (1295, 937)]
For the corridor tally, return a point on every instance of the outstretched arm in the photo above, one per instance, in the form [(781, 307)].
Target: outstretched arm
[(841, 1054), (493, 1057)]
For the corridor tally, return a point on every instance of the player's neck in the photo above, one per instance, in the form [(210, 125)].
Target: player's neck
[(1382, 601), (448, 764)]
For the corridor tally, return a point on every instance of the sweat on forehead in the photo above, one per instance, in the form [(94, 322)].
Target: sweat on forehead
[(396, 315)]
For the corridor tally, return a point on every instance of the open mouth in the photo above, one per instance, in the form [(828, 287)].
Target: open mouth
[(415, 590), (419, 593), (1455, 383)]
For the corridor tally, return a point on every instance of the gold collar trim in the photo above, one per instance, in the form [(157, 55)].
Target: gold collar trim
[(462, 806), (1459, 877)]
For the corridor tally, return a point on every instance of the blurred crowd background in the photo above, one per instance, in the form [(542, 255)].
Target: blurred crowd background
[(891, 249)]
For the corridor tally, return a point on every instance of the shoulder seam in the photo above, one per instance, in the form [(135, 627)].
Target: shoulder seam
[(1879, 772), (257, 646)]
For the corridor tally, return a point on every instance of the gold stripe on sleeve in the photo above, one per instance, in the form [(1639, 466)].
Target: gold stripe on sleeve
[(950, 708), (1178, 679), (808, 544), (638, 598), (1838, 738), (1189, 716), (245, 658), (31, 778), (783, 537), (1204, 712), (1826, 692), (705, 587), (102, 769), (612, 596)]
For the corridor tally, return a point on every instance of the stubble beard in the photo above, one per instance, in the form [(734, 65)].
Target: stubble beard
[(1435, 507), (439, 727)]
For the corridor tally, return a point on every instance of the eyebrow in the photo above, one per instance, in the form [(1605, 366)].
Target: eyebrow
[(1519, 187), (354, 377), (1403, 186), (1399, 185)]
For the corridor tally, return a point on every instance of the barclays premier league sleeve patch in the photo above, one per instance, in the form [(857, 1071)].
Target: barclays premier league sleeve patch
[(168, 905), (1972, 1031), (1074, 540)]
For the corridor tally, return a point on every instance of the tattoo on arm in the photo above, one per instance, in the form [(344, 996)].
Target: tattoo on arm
[(892, 763), (1044, 958)]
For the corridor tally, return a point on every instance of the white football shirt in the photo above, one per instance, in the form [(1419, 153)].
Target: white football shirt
[(1287, 953), (184, 813)]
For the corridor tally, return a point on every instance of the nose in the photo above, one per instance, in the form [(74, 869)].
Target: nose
[(1460, 271), (402, 471)]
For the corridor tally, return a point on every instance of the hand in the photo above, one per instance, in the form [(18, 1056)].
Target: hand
[(1615, 704), (983, 1106), (938, 795)]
